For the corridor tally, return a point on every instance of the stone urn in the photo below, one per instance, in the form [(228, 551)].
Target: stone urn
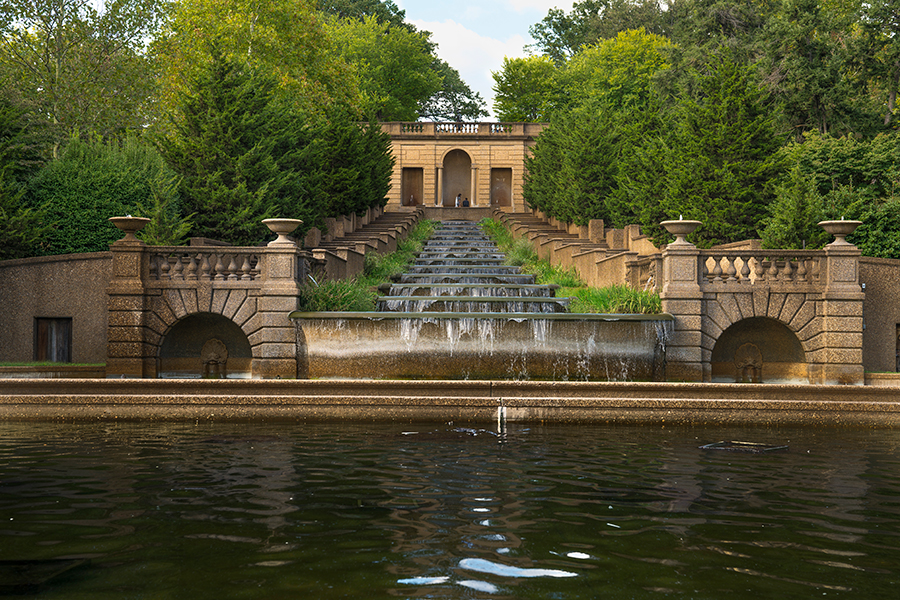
[(840, 230), (282, 227), (130, 225), (681, 229)]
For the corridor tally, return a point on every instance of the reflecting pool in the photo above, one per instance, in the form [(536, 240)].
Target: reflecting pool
[(292, 510)]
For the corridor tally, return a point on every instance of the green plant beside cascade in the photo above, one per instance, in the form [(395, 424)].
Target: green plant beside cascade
[(616, 299)]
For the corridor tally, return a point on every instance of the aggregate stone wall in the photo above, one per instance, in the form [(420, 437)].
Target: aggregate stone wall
[(69, 286), (881, 313)]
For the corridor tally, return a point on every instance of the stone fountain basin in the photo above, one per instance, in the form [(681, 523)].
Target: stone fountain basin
[(435, 345)]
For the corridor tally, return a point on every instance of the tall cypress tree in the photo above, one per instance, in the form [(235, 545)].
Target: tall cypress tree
[(230, 144), (722, 163)]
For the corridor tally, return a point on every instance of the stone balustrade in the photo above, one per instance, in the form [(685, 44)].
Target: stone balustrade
[(769, 267), (450, 129), (203, 264)]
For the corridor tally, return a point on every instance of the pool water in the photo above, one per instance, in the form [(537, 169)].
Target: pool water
[(294, 510)]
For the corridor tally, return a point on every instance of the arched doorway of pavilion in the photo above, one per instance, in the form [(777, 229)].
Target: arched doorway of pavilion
[(457, 178)]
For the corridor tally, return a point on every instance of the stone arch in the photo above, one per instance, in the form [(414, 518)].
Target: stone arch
[(182, 348), (233, 305), (457, 176), (759, 349)]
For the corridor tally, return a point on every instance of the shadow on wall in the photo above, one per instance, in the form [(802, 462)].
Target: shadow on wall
[(205, 345), (759, 349)]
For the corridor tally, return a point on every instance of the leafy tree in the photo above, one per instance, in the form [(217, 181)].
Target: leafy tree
[(870, 167), (83, 70), (383, 11), (560, 36), (618, 70), (393, 66), (525, 89), (805, 67), (455, 101), (90, 182), (878, 51), (285, 38)]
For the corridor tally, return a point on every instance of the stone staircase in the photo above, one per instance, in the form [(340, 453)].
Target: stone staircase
[(461, 270)]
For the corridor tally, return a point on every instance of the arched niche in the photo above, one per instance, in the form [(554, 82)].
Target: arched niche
[(181, 353), (457, 177), (759, 343)]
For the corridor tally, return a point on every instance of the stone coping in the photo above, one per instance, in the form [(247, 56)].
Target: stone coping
[(59, 371), (377, 316), (476, 401)]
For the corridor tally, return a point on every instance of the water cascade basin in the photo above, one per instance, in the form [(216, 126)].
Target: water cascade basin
[(444, 345)]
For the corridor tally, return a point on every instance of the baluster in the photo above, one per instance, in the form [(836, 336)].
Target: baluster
[(220, 268), (745, 270), (717, 270), (255, 267), (178, 269), (760, 269), (801, 270), (192, 269), (245, 269), (772, 273), (730, 270), (164, 268), (788, 273), (205, 274), (706, 271), (232, 267)]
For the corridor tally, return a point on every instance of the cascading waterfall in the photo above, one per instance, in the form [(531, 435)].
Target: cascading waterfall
[(460, 313)]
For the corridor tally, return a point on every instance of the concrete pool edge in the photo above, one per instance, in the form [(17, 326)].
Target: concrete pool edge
[(471, 401)]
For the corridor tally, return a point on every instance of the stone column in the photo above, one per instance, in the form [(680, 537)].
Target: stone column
[(127, 352), (473, 186), (439, 201), (838, 360), (682, 298)]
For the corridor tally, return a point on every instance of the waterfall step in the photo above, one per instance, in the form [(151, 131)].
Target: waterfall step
[(460, 270)]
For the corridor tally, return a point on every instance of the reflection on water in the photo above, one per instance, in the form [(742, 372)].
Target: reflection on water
[(440, 511)]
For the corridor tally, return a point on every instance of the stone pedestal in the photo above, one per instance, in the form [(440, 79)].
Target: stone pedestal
[(127, 353), (838, 360), (270, 332), (682, 298)]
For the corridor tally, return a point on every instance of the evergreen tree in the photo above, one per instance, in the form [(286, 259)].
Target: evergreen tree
[(794, 215), (722, 161), (347, 169), (22, 229), (230, 144)]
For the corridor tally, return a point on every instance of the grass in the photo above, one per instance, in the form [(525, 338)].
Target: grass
[(616, 299), (358, 294)]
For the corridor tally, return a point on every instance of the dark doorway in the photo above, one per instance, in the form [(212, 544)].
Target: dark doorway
[(412, 186), (501, 187), (53, 339)]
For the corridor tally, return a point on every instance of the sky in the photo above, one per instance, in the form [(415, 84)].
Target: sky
[(474, 36)]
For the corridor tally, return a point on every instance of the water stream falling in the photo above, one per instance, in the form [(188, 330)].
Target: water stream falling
[(460, 313)]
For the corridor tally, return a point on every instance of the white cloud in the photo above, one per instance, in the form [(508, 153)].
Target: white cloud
[(540, 5), (473, 55)]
